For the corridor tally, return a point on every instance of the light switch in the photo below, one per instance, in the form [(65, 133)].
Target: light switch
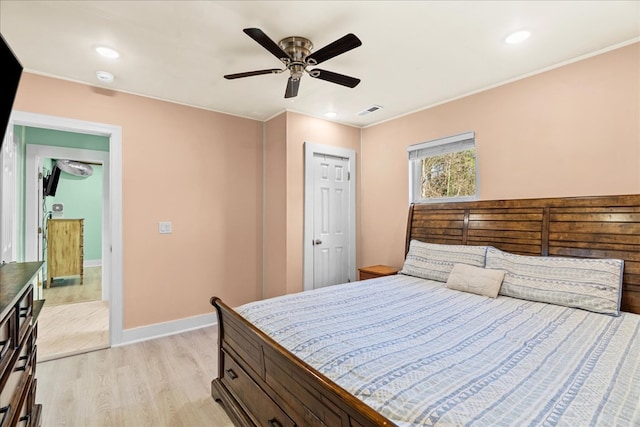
[(164, 227)]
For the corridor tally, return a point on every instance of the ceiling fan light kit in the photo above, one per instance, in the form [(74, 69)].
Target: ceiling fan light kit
[(296, 54), (75, 168)]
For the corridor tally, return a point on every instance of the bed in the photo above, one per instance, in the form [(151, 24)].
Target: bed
[(560, 344)]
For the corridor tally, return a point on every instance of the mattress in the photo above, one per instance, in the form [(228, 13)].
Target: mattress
[(422, 354)]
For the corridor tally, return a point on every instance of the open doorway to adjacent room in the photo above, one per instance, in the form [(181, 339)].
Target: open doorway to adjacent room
[(69, 198), (83, 309)]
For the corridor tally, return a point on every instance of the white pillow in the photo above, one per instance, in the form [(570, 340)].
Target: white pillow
[(476, 280), (434, 261)]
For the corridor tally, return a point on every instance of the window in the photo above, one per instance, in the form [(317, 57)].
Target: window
[(443, 170)]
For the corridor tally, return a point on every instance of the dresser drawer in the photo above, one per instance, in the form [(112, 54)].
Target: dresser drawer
[(7, 340), (24, 310), (366, 275), (17, 380), (263, 411), (26, 405)]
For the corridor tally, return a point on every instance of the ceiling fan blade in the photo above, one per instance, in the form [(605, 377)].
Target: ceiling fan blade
[(259, 36), (342, 45), (253, 73), (292, 88), (332, 77)]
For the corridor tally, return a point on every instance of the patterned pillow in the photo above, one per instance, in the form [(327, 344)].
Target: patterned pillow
[(590, 284), (434, 261)]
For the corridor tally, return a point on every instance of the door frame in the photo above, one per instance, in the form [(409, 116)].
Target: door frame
[(310, 150), (33, 199), (9, 197), (112, 257)]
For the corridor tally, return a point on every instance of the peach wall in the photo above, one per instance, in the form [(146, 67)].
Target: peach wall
[(574, 130), (301, 129), (571, 131), (275, 204), (200, 170)]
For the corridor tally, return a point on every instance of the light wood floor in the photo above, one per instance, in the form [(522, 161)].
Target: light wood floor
[(73, 320), (161, 382), (69, 290), (69, 329)]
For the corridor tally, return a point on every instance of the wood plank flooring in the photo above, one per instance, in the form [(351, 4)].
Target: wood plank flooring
[(65, 330), (68, 290), (160, 382), (73, 320)]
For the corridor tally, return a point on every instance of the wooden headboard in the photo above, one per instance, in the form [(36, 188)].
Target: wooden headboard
[(581, 227)]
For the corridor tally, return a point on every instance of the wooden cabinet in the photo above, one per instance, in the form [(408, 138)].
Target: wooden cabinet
[(18, 333), (374, 271), (65, 248)]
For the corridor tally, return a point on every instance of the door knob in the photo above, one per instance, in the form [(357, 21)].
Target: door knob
[(317, 242)]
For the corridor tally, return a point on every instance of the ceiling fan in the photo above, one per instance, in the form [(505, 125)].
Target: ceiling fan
[(75, 168), (295, 54)]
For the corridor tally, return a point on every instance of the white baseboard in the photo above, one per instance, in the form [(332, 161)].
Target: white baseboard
[(92, 263), (144, 333)]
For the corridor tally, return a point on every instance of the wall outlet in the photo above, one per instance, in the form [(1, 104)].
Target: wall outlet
[(164, 227)]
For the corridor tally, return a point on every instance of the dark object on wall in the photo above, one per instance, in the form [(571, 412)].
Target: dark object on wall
[(11, 72), (50, 182)]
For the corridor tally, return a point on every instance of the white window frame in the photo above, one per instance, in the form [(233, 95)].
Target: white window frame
[(436, 147)]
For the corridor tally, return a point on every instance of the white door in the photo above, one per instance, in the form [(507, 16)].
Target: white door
[(331, 220), (8, 198)]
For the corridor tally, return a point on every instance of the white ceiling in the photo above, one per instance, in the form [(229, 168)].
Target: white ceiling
[(414, 54)]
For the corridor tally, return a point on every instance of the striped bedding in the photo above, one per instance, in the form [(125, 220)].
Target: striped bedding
[(422, 354)]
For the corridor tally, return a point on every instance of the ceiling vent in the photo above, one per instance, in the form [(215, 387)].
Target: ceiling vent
[(370, 110)]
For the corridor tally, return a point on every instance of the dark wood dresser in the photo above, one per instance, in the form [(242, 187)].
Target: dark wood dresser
[(18, 332)]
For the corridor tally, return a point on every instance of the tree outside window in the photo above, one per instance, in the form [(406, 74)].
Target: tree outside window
[(444, 169), (449, 175)]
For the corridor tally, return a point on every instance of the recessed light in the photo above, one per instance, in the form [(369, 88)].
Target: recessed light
[(107, 52), (517, 37), (330, 115), (104, 76)]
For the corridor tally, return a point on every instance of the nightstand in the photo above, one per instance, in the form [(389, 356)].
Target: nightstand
[(374, 271)]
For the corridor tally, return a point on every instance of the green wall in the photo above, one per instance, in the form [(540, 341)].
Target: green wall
[(82, 197), (60, 138)]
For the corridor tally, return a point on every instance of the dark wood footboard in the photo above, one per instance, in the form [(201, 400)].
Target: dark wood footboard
[(260, 383)]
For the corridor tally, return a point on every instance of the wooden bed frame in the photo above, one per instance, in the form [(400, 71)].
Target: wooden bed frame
[(262, 384)]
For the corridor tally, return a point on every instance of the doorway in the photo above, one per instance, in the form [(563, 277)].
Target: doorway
[(329, 216), (38, 161), (111, 270), (75, 315)]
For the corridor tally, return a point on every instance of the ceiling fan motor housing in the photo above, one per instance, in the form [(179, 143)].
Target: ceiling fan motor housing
[(298, 48)]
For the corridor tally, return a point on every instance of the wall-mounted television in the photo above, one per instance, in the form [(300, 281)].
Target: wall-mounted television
[(50, 182), (10, 72)]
